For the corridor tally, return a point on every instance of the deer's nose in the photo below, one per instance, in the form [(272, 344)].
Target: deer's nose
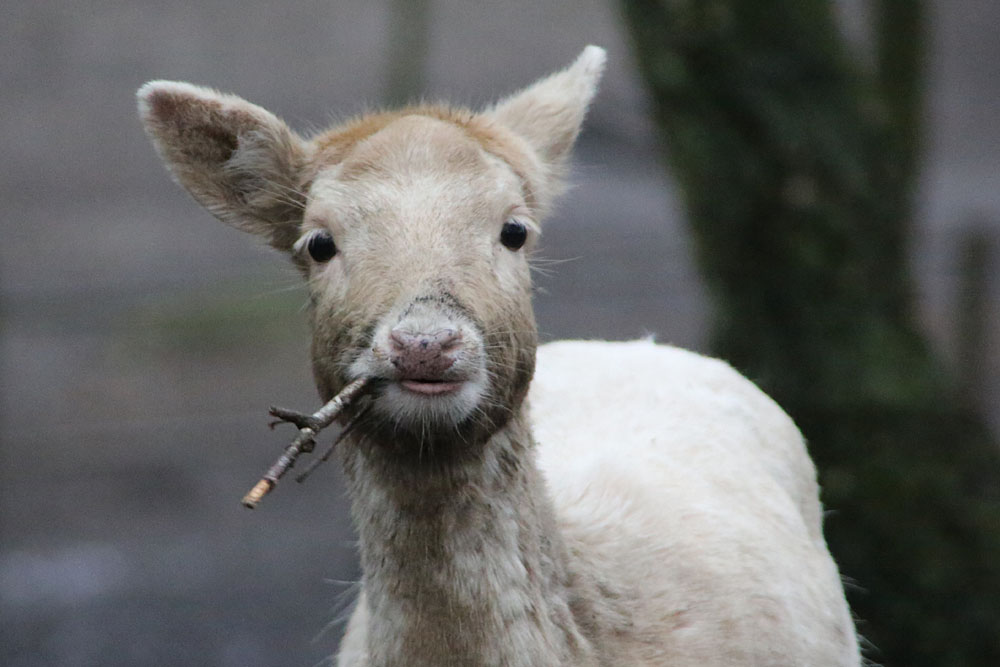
[(422, 355)]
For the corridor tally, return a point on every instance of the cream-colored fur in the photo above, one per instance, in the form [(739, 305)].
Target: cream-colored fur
[(696, 497), (643, 505)]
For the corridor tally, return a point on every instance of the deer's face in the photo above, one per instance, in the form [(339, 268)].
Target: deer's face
[(416, 245), (412, 228)]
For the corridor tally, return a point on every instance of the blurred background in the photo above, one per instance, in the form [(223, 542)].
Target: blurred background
[(142, 341)]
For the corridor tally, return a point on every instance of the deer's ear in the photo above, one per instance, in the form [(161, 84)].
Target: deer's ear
[(239, 161), (548, 114)]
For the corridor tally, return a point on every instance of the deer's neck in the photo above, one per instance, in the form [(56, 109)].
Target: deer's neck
[(463, 565)]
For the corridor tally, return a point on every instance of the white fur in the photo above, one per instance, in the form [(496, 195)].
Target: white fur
[(693, 491), (688, 494)]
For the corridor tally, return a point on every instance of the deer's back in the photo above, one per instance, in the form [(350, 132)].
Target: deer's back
[(690, 507)]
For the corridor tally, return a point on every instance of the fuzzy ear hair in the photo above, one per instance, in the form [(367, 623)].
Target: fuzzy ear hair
[(549, 113), (236, 159)]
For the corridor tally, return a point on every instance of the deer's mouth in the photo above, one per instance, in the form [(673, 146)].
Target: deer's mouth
[(430, 387)]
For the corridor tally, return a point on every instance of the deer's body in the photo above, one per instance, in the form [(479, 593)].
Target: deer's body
[(643, 506), (678, 525)]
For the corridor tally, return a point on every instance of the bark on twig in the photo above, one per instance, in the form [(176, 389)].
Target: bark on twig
[(326, 455), (309, 427)]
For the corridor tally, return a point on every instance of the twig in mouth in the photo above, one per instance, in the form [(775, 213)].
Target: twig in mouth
[(326, 455), (309, 427)]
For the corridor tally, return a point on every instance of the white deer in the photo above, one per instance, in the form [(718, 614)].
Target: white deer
[(641, 505)]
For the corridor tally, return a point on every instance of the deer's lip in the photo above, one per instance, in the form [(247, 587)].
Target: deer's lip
[(430, 387)]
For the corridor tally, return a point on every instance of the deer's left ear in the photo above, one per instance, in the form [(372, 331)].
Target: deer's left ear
[(238, 160), (549, 113)]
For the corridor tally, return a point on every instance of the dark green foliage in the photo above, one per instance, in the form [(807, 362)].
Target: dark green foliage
[(797, 164)]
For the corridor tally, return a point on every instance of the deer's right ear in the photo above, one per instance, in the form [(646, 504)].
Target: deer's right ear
[(238, 160)]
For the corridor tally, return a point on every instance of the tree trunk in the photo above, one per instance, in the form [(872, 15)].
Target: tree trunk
[(797, 166)]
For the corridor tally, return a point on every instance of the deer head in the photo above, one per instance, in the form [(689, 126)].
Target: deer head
[(412, 228)]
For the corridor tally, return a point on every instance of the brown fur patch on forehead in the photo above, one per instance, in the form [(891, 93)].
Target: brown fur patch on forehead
[(335, 145)]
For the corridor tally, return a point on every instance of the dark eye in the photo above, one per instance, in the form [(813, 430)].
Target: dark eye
[(321, 247), (514, 234)]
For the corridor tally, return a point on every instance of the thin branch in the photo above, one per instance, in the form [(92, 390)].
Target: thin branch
[(309, 427), (326, 455)]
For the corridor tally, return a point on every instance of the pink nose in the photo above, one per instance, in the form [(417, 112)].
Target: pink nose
[(424, 356)]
